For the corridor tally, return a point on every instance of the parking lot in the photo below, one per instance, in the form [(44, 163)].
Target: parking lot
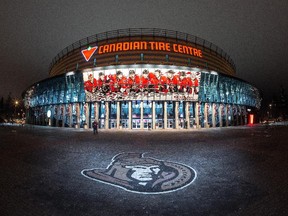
[(238, 171)]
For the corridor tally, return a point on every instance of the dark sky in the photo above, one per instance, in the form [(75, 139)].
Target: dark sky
[(253, 32)]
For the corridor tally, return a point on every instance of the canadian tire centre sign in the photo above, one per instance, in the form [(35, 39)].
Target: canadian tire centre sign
[(141, 46)]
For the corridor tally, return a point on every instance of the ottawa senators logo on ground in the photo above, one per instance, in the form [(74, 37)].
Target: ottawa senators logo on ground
[(135, 173)]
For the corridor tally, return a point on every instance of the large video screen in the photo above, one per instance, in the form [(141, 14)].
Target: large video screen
[(141, 84)]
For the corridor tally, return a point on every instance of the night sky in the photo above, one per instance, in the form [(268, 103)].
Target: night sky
[(253, 32)]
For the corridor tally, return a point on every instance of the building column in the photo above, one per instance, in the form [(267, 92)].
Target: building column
[(63, 114), (48, 118), (44, 121), (220, 112), (107, 114), (233, 120), (231, 114), (197, 109), (70, 112), (165, 115), (176, 110), (57, 115), (60, 115), (77, 115), (129, 114), (53, 115), (141, 115), (206, 109), (245, 115), (86, 113), (153, 115), (214, 112), (226, 114), (118, 115), (237, 114), (187, 120), (241, 115), (96, 110), (43, 116)]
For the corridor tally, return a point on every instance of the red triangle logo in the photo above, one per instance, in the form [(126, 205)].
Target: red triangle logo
[(87, 53)]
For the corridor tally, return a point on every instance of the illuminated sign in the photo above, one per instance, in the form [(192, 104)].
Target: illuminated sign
[(251, 119), (144, 46), (87, 53)]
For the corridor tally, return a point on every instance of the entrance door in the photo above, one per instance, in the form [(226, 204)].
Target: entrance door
[(113, 115), (159, 114), (170, 115), (170, 123), (136, 123), (147, 114), (192, 115), (136, 115), (124, 112), (102, 113), (113, 123), (124, 123), (181, 115), (147, 123), (159, 123)]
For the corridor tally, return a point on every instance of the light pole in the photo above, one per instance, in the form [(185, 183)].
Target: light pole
[(270, 112), (15, 107)]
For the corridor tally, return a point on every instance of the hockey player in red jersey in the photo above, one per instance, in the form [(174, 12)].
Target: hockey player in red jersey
[(183, 83), (91, 84), (133, 82), (193, 82), (103, 83), (171, 82), (144, 81), (158, 81), (119, 82)]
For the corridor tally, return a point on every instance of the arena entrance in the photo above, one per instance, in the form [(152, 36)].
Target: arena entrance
[(141, 114), (136, 115)]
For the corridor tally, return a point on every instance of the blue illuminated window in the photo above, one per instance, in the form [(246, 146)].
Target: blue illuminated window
[(167, 58)]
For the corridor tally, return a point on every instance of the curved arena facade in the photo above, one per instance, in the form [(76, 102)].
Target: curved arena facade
[(141, 79)]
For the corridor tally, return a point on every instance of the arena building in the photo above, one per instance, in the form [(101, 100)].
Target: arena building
[(141, 79)]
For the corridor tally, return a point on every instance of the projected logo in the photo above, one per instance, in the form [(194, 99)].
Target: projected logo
[(135, 173)]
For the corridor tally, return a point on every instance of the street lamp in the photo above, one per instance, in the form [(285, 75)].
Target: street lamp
[(271, 114), (15, 106)]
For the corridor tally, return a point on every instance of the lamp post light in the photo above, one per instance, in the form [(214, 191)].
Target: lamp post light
[(270, 112), (15, 107), (49, 115)]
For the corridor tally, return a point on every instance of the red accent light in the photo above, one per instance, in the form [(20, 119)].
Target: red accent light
[(251, 119)]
